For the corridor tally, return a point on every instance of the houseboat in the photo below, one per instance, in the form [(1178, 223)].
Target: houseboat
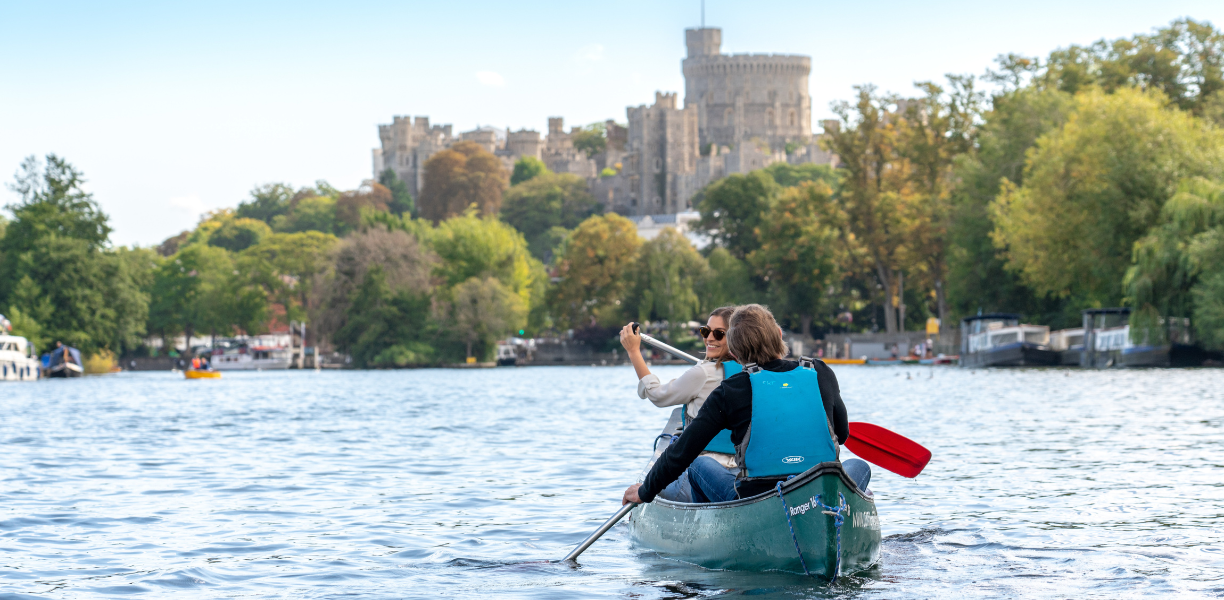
[(1000, 340), (1109, 341), (18, 359), (1069, 344)]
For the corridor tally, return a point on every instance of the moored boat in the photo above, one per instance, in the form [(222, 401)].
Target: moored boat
[(844, 361), (63, 362), (1000, 340), (248, 358), (18, 359)]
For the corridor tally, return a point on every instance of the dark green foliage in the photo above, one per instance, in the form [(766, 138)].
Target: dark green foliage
[(732, 209), (591, 139), (788, 175), (545, 207), (267, 202), (526, 168), (401, 201), (239, 234), (55, 268), (386, 328)]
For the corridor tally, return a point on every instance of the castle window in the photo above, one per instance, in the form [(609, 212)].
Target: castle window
[(792, 118), (729, 117), (658, 165), (769, 118)]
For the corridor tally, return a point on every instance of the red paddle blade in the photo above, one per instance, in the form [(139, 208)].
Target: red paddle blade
[(893, 451)]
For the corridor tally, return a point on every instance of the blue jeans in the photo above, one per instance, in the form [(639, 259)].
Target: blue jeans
[(712, 482)]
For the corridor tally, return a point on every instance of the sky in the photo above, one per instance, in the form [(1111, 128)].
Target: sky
[(173, 109)]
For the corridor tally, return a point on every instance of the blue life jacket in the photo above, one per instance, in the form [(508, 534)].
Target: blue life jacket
[(722, 441), (789, 432)]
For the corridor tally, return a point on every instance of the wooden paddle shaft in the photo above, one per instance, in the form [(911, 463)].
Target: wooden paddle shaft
[(620, 514)]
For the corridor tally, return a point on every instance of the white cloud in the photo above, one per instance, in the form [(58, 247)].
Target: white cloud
[(191, 205), (490, 78), (589, 53)]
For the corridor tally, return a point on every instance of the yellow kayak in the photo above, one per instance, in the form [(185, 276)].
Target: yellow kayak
[(194, 374), (844, 361)]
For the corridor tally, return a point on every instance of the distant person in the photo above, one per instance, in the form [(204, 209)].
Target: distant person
[(690, 388), (804, 393)]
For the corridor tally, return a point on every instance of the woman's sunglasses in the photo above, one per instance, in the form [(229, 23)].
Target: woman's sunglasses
[(705, 332)]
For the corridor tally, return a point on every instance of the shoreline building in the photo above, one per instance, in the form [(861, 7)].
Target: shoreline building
[(741, 112)]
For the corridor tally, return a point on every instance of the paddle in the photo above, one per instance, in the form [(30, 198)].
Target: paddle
[(888, 449), (620, 514), (872, 443)]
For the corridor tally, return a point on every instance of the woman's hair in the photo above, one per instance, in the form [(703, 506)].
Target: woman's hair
[(753, 335), (723, 313)]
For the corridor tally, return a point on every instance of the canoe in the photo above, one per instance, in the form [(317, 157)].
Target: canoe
[(193, 374), (760, 533)]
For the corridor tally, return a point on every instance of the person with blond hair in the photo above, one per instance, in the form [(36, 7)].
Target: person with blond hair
[(690, 389), (785, 417)]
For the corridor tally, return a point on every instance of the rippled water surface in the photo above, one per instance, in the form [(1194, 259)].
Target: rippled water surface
[(444, 483)]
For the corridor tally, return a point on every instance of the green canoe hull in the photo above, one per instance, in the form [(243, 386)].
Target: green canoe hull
[(752, 534)]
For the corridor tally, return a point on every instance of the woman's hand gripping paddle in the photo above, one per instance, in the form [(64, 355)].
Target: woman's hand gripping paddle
[(893, 451)]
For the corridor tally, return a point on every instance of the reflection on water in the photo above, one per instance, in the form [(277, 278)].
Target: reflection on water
[(1045, 483)]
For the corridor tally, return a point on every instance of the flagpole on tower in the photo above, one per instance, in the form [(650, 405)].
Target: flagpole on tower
[(703, 14)]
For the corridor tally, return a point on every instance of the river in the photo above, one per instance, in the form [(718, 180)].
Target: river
[(448, 483)]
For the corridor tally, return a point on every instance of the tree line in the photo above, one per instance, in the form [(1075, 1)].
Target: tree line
[(1092, 177)]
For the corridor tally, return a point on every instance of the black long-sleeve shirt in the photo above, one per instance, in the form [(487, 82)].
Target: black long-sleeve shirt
[(729, 406)]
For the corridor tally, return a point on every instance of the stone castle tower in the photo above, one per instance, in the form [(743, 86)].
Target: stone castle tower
[(746, 98)]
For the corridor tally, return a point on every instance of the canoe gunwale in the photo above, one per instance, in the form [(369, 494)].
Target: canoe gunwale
[(810, 475)]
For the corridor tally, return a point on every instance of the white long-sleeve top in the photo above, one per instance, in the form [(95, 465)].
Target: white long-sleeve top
[(690, 388)]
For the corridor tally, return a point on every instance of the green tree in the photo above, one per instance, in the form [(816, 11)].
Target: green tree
[(1094, 187), (665, 279), (190, 293), (526, 168), (788, 175), (537, 207), (286, 265), (591, 139), (464, 175), (238, 234), (56, 269), (1178, 268), (481, 247), (977, 277), (267, 202), (728, 282), (401, 201), (484, 310), (313, 213), (732, 208), (593, 268), (384, 327), (350, 206), (802, 251)]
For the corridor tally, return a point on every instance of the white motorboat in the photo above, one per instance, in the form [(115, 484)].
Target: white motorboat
[(251, 358), (18, 359)]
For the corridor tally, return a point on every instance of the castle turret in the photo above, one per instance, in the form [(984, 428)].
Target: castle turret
[(703, 42)]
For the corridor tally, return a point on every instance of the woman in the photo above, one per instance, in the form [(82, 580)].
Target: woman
[(790, 423), (690, 388)]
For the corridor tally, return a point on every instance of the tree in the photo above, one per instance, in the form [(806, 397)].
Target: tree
[(788, 175), (1178, 268), (401, 201), (877, 184), (527, 167), (665, 279), (485, 310), (593, 268), (732, 207), (370, 196), (977, 277), (728, 282), (56, 270), (312, 213), (285, 266), (591, 139), (267, 202), (238, 234), (405, 277), (802, 250), (482, 247), (190, 292), (539, 206), (462, 176), (385, 327), (1094, 187)]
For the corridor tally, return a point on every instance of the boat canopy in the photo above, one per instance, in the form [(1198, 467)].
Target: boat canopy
[(57, 356), (980, 323)]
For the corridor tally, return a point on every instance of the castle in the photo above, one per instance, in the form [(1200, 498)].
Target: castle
[(741, 112)]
